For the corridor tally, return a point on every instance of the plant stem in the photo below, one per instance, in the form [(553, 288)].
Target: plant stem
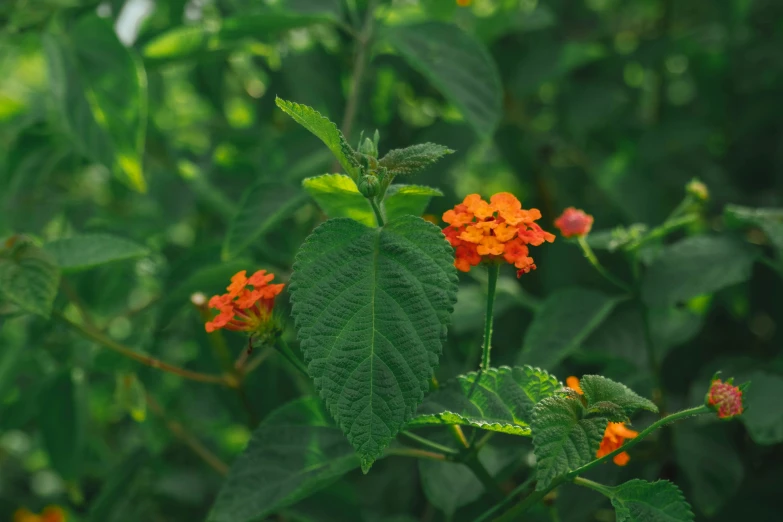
[(663, 230), (459, 435), (484, 477), (445, 450), (291, 356), (492, 282), (416, 453), (506, 501), (377, 210), (590, 255), (191, 441), (514, 513), (580, 481), (102, 339), (652, 360), (256, 361)]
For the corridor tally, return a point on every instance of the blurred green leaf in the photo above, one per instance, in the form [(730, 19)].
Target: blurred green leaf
[(263, 207), (694, 266), (116, 490), (642, 501), (502, 401), (769, 220), (371, 307), (457, 65), (563, 322), (402, 200), (29, 278), (764, 416), (338, 196), (296, 451), (86, 251), (100, 89), (62, 418)]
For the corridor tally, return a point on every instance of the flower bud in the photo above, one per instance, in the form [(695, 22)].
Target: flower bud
[(573, 222), (724, 398), (698, 190), (369, 186)]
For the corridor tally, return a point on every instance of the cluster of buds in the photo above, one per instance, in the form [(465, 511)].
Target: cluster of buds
[(493, 231), (725, 398), (574, 223)]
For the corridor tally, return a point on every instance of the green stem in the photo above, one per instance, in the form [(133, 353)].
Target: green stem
[(416, 453), (492, 282), (283, 348), (652, 360), (487, 515), (377, 210), (580, 481), (514, 513), (445, 450), (483, 475), (590, 255), (663, 230)]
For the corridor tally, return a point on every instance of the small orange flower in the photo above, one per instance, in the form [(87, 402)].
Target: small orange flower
[(49, 514), (573, 222), (501, 229), (614, 436), (725, 398), (245, 309)]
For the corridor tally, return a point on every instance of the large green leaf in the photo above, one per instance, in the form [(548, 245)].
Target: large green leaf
[(100, 90), (29, 278), (563, 322), (293, 453), (457, 65), (764, 416), (709, 460), (641, 501), (338, 196), (694, 266), (404, 200), (371, 307), (413, 159), (90, 250), (563, 438), (503, 400), (598, 389), (324, 129), (263, 206), (62, 417)]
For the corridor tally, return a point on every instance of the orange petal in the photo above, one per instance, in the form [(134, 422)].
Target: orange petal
[(573, 383), (621, 459)]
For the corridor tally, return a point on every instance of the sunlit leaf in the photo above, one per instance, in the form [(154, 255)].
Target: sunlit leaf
[(404, 200), (338, 196)]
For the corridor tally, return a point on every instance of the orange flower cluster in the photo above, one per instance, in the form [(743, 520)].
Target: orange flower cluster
[(614, 436), (491, 231), (245, 309), (573, 222), (725, 398), (49, 514)]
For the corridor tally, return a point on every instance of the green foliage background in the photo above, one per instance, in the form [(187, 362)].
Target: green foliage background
[(157, 166)]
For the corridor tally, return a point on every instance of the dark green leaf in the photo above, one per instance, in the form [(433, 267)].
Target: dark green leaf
[(338, 196), (502, 401), (296, 451), (562, 439), (769, 220), (599, 389), (262, 207), (411, 200), (29, 278), (457, 65), (90, 250), (764, 416), (371, 307), (413, 159), (642, 501), (101, 93), (694, 266), (62, 418), (563, 322), (115, 490)]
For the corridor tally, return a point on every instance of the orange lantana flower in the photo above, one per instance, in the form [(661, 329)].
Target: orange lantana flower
[(247, 304), (494, 231), (574, 223), (49, 514), (614, 436)]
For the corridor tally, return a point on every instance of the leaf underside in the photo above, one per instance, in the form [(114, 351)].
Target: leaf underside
[(641, 501)]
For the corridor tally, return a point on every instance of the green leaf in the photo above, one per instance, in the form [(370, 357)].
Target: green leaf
[(563, 439), (87, 251), (502, 401), (62, 418), (296, 451), (100, 89), (325, 130), (404, 200), (338, 196), (694, 266), (563, 322), (641, 501), (711, 463), (413, 159), (115, 491), (29, 278), (769, 220), (371, 307), (599, 389), (457, 65), (763, 417), (263, 206)]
